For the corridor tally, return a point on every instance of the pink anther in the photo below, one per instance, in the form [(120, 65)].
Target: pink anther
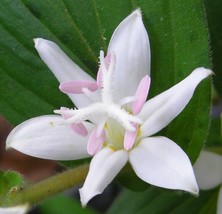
[(75, 87), (130, 137), (141, 94), (95, 142)]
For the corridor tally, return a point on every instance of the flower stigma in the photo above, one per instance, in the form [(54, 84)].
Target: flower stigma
[(113, 119)]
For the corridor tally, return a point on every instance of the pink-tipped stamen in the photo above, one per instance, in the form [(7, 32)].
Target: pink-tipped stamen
[(141, 94), (100, 126), (95, 142), (75, 87), (79, 128), (130, 137)]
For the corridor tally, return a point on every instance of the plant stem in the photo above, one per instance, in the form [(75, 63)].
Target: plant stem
[(38, 192)]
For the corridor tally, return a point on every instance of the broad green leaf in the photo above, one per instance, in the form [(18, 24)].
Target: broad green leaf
[(214, 17), (159, 201), (179, 44), (177, 29), (63, 204), (10, 182)]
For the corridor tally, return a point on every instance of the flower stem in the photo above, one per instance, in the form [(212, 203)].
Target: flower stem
[(38, 192)]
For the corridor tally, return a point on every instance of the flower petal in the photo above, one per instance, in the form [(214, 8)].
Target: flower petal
[(62, 67), (219, 202), (130, 43), (159, 111), (47, 137), (104, 166), (21, 209), (161, 162), (208, 170)]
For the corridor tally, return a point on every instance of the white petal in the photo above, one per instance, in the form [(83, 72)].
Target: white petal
[(130, 43), (208, 170), (162, 109), (62, 67), (104, 166), (46, 137), (21, 209), (219, 202), (161, 162)]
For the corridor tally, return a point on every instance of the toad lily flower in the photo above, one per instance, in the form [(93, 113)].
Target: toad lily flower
[(112, 121), (208, 171)]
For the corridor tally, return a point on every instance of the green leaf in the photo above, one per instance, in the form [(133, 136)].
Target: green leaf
[(155, 200), (10, 183), (214, 142), (179, 44), (214, 136), (63, 204), (214, 17)]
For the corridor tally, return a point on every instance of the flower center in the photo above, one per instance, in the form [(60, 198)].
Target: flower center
[(106, 110)]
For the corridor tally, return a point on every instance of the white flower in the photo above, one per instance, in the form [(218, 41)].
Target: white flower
[(113, 121), (20, 209), (208, 171)]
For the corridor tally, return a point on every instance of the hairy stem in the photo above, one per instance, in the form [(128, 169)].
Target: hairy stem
[(38, 192)]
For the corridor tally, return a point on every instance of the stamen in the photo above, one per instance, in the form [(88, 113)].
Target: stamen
[(79, 128), (95, 143), (141, 94), (101, 126), (75, 87), (130, 137)]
